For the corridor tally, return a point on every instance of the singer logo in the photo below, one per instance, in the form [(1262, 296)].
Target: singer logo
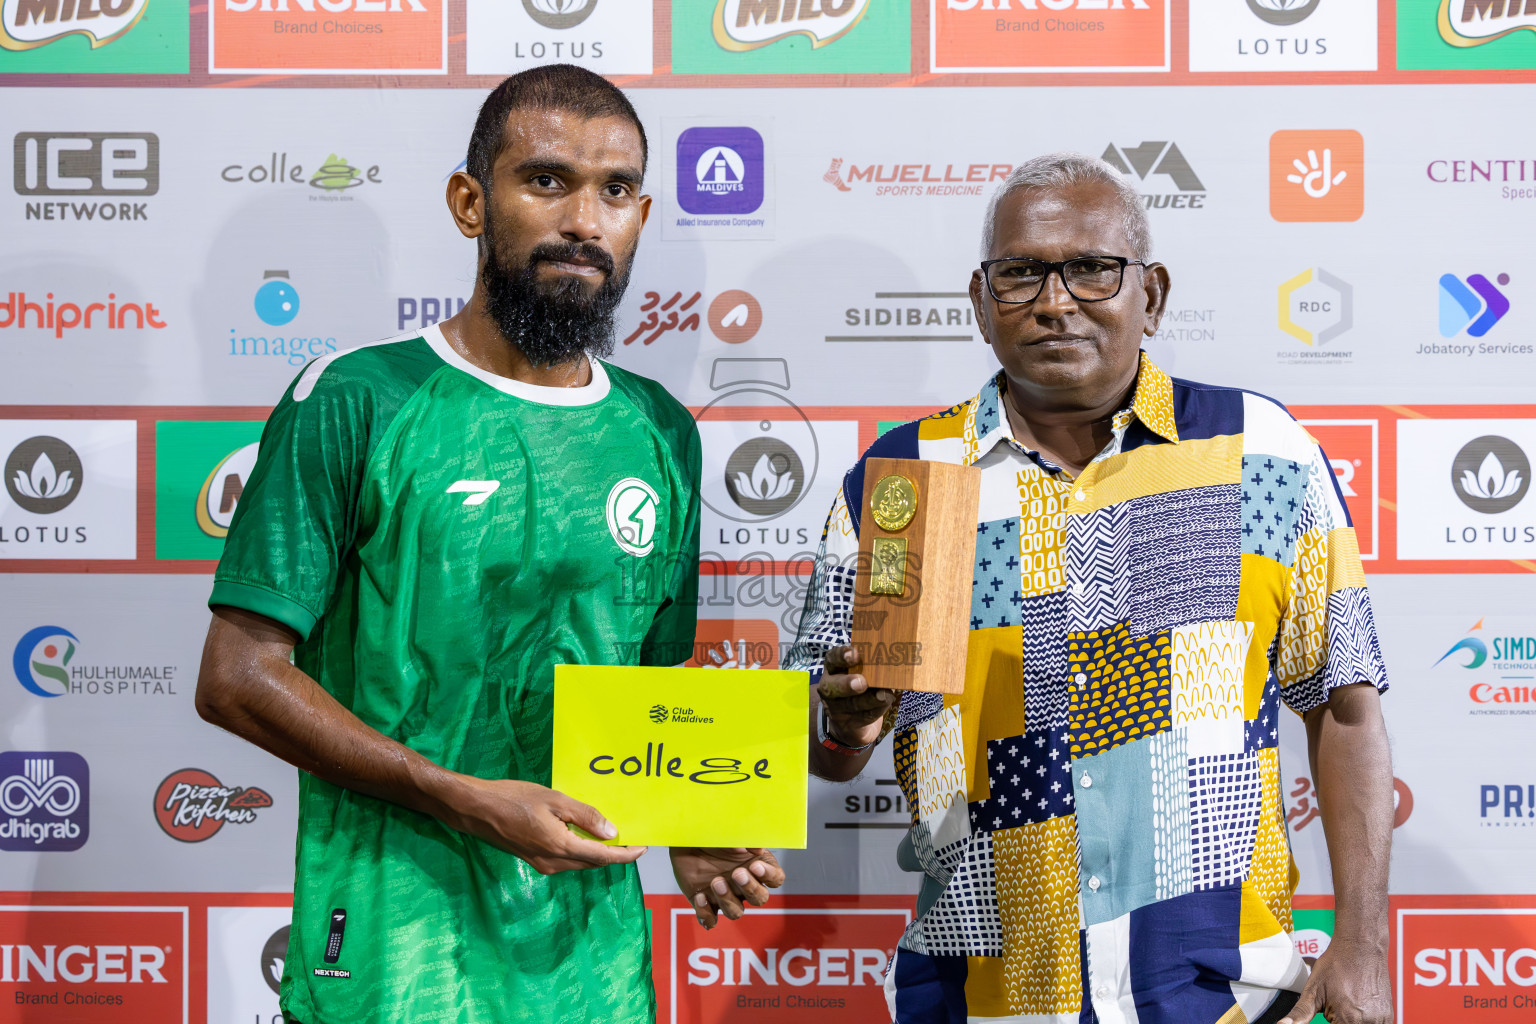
[(1050, 35), (1452, 962), (94, 963), (337, 37)]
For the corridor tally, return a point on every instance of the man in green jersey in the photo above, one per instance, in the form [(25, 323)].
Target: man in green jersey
[(434, 522)]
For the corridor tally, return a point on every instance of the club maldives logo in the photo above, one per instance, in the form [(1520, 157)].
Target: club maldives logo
[(1283, 12), (191, 805), (28, 24), (719, 170), (46, 800), (740, 25), (1316, 175), (1475, 22), (1473, 305), (1491, 474), (1163, 160), (43, 475)]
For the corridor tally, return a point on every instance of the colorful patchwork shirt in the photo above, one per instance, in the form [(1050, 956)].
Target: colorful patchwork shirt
[(1098, 816)]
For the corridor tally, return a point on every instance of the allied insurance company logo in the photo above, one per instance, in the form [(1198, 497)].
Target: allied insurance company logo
[(1473, 305), (1155, 164), (1465, 23), (46, 800), (740, 25), (43, 475), (719, 170), (28, 24), (192, 805), (1316, 176)]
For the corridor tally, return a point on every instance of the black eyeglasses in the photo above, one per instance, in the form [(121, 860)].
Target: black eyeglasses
[(1088, 278)]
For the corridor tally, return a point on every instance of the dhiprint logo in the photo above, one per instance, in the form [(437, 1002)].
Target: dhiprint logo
[(1464, 23), (191, 805), (719, 170), (764, 476), (1283, 12), (559, 14), (476, 491), (28, 24), (631, 512), (44, 653), (741, 25), (43, 475), (1491, 474), (46, 800), (1474, 305), (1316, 175), (1159, 159)]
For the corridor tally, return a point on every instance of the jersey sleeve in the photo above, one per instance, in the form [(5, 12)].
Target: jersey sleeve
[(827, 619), (1327, 637), (297, 513), (670, 638)]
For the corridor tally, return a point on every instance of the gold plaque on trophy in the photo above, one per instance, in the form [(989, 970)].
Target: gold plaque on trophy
[(912, 596)]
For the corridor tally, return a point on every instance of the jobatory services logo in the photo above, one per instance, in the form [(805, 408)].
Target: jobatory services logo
[(1507, 805), (1158, 165), (83, 36), (1491, 474), (276, 303), (201, 469), (45, 663), (46, 800), (394, 37), (74, 169), (69, 488), (915, 179), (1051, 35), (1472, 306), (790, 36), (1462, 488), (1282, 35), (192, 805), (608, 36), (1315, 308), (1316, 175), (1465, 963)]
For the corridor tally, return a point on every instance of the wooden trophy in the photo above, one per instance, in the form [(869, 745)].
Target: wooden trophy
[(917, 554)]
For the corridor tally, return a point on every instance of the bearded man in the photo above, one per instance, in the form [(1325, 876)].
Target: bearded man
[(433, 523)]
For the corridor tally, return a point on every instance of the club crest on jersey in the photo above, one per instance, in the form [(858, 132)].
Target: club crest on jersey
[(632, 516), (477, 490)]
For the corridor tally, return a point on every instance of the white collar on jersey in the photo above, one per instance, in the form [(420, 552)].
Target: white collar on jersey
[(588, 394)]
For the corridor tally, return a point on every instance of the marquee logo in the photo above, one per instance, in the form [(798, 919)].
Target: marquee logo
[(43, 475), (1283, 12), (45, 797), (191, 805), (1159, 160), (1466, 23), (749, 24), (1491, 474), (1473, 306), (1316, 307), (27, 24)]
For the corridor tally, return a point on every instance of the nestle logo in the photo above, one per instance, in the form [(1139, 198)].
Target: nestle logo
[(659, 713)]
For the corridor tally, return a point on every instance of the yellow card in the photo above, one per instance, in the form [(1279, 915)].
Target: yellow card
[(686, 756)]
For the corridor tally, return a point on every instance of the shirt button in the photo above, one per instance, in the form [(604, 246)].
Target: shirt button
[(1087, 780), (1094, 883), (1081, 679), (1080, 495), (1102, 991)]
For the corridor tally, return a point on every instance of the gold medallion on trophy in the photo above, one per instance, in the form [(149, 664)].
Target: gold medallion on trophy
[(893, 503)]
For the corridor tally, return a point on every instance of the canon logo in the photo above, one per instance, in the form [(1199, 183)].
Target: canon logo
[(80, 964), (799, 966), (1468, 967)]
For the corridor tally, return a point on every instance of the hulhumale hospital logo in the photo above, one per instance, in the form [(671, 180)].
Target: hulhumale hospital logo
[(1491, 474), (1473, 305), (41, 660), (719, 170)]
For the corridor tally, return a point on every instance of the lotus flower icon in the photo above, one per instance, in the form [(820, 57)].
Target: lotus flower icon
[(1491, 480), (43, 475), (768, 481), (44, 483)]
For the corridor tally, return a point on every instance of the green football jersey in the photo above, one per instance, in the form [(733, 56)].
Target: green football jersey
[(441, 538)]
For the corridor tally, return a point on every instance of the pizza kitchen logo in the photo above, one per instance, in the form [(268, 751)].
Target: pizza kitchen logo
[(28, 24), (191, 805), (741, 25)]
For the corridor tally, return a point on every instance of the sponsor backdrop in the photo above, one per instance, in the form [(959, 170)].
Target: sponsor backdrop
[(204, 197)]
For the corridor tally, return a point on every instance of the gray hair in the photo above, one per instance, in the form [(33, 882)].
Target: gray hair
[(1066, 170)]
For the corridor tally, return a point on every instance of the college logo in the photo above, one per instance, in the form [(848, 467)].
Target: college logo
[(1452, 962), (1059, 35), (191, 805), (1473, 305), (27, 24), (341, 37), (631, 510), (1316, 307), (719, 170), (1491, 474), (334, 176), (1466, 23), (1316, 175), (43, 475), (1159, 160), (46, 800), (750, 24)]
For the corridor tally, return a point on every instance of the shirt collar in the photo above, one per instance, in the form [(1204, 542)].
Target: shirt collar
[(986, 424)]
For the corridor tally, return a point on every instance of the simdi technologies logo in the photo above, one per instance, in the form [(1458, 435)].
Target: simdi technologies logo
[(328, 37), (1049, 35)]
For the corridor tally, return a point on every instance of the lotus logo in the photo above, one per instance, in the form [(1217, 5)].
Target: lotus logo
[(559, 14), (1283, 12), (43, 475), (1491, 474), (659, 713), (274, 955), (771, 479), (764, 476)]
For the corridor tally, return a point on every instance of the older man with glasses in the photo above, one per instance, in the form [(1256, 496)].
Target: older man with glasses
[(1159, 565)]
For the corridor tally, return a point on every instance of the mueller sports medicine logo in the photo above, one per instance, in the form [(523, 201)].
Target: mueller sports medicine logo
[(1159, 163), (122, 166), (1475, 22), (28, 24), (191, 805), (925, 179), (719, 170), (46, 665), (749, 24), (45, 797), (1500, 669)]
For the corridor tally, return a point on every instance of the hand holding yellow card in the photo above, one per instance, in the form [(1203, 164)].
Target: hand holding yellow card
[(686, 756)]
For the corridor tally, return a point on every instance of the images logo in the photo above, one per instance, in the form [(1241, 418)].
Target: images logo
[(276, 301), (1491, 474), (749, 24), (1482, 21), (1316, 175), (1474, 306), (1316, 307), (27, 24), (1159, 158), (46, 798), (56, 646), (719, 170), (631, 510), (191, 805), (43, 475), (1283, 12)]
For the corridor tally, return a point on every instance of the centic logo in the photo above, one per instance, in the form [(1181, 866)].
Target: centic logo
[(1316, 175), (1466, 34), (191, 805), (1473, 305), (201, 469), (1158, 165), (83, 36), (1049, 35), (1316, 307), (339, 37), (791, 36), (45, 797)]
